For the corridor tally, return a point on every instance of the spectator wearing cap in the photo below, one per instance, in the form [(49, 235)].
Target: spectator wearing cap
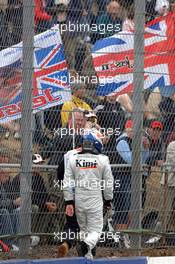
[(92, 125), (152, 139), (78, 94), (153, 133), (91, 121), (122, 195)]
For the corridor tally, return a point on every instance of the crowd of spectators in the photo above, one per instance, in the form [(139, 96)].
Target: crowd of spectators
[(110, 112)]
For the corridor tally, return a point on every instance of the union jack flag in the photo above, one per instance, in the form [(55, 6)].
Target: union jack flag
[(50, 80), (50, 69), (113, 58)]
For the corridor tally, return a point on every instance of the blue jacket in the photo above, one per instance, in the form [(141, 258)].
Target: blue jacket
[(124, 149)]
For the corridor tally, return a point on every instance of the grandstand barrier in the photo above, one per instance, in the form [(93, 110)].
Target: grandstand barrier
[(134, 260)]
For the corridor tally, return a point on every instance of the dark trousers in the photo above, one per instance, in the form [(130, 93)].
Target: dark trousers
[(71, 226)]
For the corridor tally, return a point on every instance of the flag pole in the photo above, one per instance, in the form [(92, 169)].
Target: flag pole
[(26, 126), (138, 82)]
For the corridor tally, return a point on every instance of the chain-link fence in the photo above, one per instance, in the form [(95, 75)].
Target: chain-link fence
[(48, 222), (83, 80)]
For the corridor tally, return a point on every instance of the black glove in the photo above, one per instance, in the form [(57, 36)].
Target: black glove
[(107, 203), (107, 208)]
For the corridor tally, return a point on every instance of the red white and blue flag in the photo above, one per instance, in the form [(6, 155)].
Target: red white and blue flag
[(50, 81), (113, 58)]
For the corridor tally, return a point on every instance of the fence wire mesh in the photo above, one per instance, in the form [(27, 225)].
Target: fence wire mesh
[(57, 129)]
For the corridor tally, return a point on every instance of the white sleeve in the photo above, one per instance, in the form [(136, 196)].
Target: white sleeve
[(68, 182), (108, 181), (170, 156), (170, 161)]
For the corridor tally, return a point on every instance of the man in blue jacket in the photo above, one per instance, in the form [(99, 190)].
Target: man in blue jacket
[(122, 194)]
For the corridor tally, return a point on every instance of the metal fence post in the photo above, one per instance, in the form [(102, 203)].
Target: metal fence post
[(26, 125), (73, 125), (165, 200), (136, 179)]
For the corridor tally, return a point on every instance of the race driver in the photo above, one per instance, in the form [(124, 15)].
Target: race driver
[(88, 180), (71, 224)]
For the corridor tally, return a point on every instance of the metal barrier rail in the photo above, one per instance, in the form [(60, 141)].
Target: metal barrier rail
[(44, 166)]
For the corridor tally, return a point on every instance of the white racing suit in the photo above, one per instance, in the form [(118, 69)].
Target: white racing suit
[(87, 179)]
